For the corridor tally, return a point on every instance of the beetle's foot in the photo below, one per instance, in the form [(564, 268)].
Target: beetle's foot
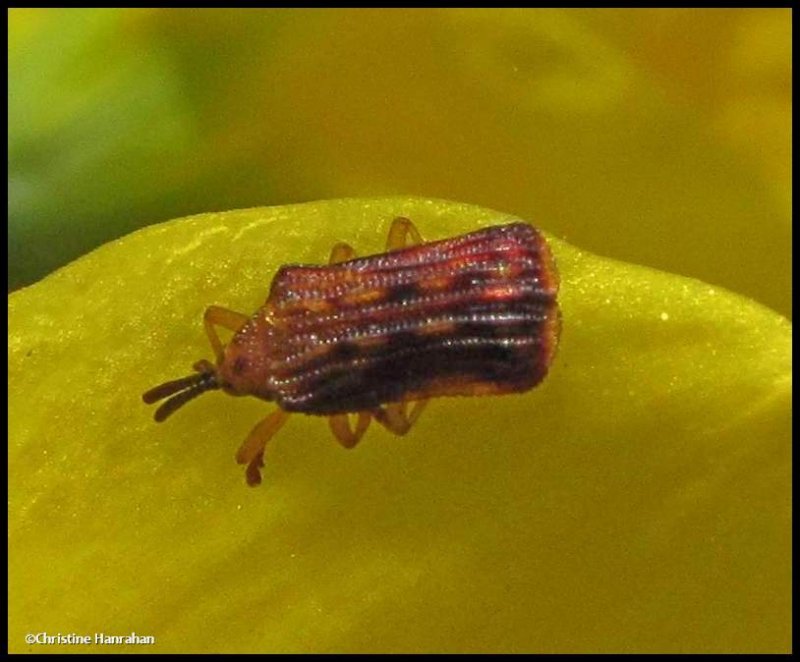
[(253, 472)]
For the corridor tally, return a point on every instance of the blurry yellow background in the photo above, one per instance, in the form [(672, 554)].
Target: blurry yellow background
[(639, 500), (660, 137)]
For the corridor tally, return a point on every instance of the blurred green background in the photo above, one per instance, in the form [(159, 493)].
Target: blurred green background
[(660, 137)]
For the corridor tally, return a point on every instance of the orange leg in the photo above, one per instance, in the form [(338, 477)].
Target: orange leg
[(341, 252), (394, 417), (251, 452), (345, 435), (227, 319), (399, 233)]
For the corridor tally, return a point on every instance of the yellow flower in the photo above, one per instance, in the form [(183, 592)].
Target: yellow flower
[(638, 500)]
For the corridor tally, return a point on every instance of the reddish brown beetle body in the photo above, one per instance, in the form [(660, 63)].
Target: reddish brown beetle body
[(472, 315)]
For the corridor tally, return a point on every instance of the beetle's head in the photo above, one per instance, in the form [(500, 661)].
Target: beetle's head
[(179, 391)]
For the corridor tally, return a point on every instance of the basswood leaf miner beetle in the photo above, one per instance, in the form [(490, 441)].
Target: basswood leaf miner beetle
[(471, 315)]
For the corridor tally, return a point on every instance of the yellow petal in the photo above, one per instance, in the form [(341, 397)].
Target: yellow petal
[(638, 500)]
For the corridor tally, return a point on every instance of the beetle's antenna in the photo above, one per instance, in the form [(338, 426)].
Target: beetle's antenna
[(181, 391), (180, 399)]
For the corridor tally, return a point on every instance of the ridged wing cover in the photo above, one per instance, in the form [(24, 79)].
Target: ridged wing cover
[(472, 315)]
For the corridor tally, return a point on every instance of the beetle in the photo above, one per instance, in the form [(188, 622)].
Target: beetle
[(471, 315)]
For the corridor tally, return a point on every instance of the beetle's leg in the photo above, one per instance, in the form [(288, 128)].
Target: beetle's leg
[(341, 252), (345, 435), (251, 452), (394, 417), (399, 233), (228, 319)]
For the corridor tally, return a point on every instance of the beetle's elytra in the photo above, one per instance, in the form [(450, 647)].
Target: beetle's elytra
[(471, 315)]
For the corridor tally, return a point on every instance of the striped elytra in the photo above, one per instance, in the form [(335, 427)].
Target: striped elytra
[(471, 315)]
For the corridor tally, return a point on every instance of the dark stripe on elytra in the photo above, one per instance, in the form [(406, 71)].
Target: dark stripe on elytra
[(530, 325), (389, 380), (402, 293)]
